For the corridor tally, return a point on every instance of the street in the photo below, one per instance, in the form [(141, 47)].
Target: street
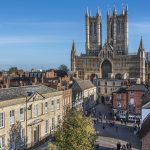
[(110, 135)]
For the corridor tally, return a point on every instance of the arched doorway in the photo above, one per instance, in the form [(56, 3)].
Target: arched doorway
[(106, 68), (118, 76)]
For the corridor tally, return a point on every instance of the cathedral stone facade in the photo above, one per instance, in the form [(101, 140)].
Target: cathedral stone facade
[(112, 59)]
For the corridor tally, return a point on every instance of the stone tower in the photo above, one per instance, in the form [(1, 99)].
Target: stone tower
[(141, 54), (93, 33), (73, 57), (117, 31)]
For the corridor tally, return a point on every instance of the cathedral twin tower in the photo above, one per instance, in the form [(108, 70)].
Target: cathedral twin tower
[(110, 60), (117, 32)]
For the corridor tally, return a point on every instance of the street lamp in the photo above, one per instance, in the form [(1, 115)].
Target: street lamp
[(27, 99)]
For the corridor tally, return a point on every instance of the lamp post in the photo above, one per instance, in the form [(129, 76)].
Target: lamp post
[(27, 99), (26, 122)]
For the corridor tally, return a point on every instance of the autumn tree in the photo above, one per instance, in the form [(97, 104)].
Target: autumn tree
[(76, 132), (16, 140)]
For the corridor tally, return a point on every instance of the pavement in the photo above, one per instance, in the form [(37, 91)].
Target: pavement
[(109, 136)]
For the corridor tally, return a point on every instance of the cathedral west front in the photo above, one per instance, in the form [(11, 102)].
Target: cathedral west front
[(111, 59)]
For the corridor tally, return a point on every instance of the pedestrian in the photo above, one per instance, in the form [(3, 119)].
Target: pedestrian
[(116, 128), (118, 146), (121, 121), (103, 127), (123, 147), (100, 114), (127, 146), (130, 146)]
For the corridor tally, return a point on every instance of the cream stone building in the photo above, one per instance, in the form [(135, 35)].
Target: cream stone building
[(111, 60), (38, 109), (105, 87)]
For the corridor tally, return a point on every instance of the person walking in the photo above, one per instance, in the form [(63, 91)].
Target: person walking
[(123, 147), (127, 146), (118, 146), (130, 146), (116, 128)]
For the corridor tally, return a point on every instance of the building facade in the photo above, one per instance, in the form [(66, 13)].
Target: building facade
[(112, 59), (37, 110), (84, 94), (145, 134), (105, 87), (127, 102)]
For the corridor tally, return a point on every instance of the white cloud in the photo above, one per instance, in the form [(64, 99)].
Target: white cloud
[(32, 39), (139, 27)]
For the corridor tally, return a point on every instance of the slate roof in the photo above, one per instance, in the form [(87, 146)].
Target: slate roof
[(122, 89), (145, 127), (146, 97), (146, 106), (20, 92), (82, 84), (138, 87)]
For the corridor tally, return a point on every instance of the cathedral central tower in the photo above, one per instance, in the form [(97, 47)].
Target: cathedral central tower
[(117, 31)]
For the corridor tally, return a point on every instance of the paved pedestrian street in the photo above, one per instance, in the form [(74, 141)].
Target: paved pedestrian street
[(110, 135)]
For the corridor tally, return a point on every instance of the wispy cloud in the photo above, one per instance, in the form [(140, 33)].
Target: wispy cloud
[(139, 27), (26, 32), (28, 23), (32, 39)]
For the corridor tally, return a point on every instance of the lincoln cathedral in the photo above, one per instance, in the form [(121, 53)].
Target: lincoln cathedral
[(111, 59)]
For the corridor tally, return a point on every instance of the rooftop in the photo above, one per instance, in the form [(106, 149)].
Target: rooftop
[(138, 87), (82, 84), (122, 89), (20, 92), (146, 106), (146, 97), (145, 127)]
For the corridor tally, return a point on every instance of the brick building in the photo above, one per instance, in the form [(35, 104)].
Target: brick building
[(127, 102), (135, 93), (120, 103)]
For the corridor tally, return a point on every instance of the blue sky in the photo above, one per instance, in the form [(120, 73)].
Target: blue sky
[(39, 33)]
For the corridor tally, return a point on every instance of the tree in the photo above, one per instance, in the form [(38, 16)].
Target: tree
[(76, 132), (52, 146), (63, 68), (16, 141), (13, 70)]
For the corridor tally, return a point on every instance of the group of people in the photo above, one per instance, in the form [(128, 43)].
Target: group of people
[(123, 147)]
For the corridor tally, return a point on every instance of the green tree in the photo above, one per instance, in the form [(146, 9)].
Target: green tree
[(13, 70), (52, 146), (76, 132), (15, 140), (63, 68)]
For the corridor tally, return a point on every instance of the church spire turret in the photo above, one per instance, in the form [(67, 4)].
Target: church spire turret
[(108, 12), (73, 57), (141, 44), (126, 11), (73, 47), (123, 12), (115, 10), (87, 12), (98, 12)]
